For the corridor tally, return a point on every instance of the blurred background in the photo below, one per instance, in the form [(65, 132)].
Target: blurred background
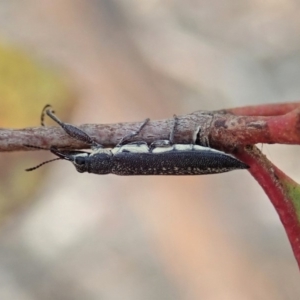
[(66, 235)]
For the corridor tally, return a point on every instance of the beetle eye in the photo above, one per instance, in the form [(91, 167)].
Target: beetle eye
[(79, 160)]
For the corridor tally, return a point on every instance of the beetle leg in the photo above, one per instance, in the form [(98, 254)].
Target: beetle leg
[(159, 143), (171, 138), (166, 143), (71, 130), (133, 134)]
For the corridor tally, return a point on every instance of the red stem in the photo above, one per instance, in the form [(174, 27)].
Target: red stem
[(270, 179), (249, 130)]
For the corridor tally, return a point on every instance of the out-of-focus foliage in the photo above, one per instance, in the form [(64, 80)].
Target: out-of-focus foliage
[(25, 87)]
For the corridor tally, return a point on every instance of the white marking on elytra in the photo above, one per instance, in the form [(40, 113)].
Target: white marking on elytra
[(132, 148), (202, 148), (183, 147), (101, 150), (162, 149)]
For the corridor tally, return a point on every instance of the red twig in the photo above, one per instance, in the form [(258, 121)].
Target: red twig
[(235, 130), (276, 185)]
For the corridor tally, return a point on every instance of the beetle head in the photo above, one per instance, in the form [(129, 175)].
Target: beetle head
[(98, 162)]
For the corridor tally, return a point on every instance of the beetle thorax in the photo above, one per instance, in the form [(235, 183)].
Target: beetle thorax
[(97, 162)]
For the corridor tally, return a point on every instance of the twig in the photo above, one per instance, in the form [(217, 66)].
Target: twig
[(283, 192), (220, 129)]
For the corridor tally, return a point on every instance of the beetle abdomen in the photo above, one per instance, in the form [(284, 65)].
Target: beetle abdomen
[(175, 163)]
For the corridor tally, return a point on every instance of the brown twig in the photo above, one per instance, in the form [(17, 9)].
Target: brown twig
[(218, 129)]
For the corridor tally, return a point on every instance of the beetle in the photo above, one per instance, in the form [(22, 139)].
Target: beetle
[(162, 157)]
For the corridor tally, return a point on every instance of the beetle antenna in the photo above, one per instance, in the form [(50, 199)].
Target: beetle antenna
[(61, 155), (43, 163)]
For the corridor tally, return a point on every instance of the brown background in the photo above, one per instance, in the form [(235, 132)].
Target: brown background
[(109, 237)]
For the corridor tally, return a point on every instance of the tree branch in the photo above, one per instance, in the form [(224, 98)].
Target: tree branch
[(220, 129)]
